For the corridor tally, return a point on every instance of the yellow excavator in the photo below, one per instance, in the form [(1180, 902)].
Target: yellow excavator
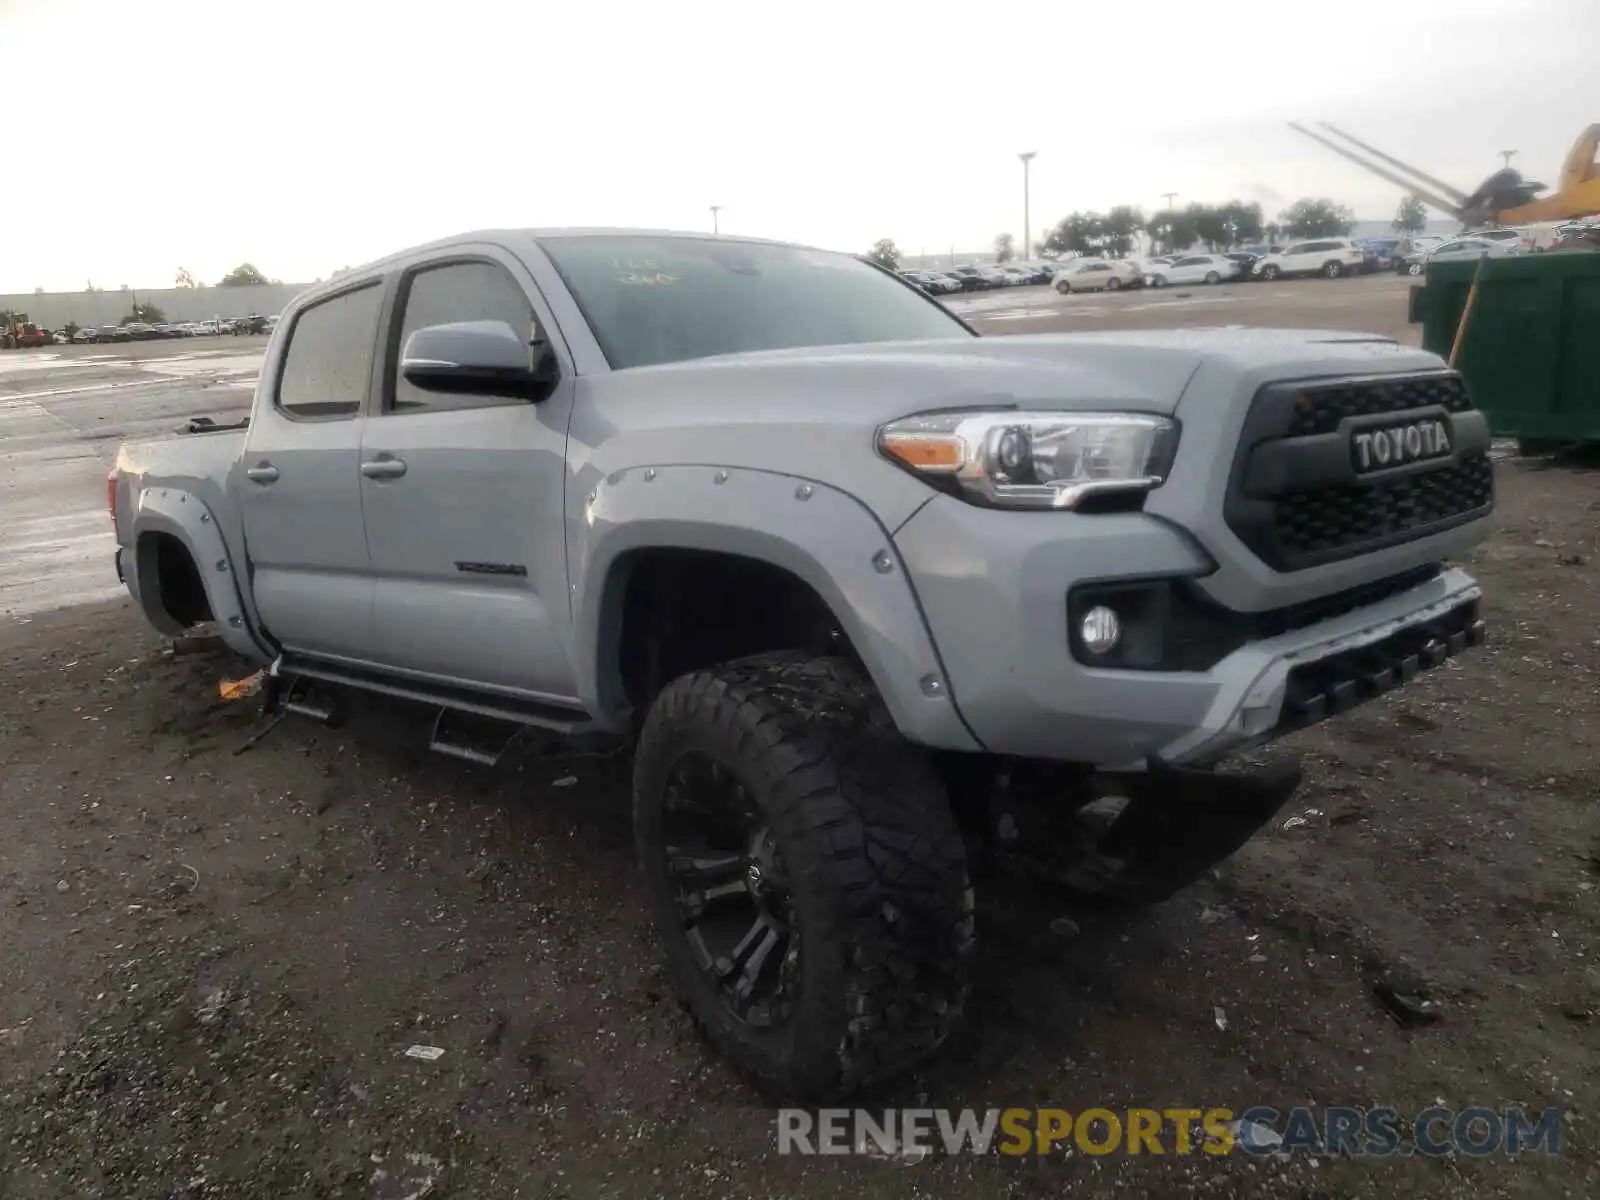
[(1505, 198)]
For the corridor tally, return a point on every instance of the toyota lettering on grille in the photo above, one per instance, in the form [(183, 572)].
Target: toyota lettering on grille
[(1396, 445)]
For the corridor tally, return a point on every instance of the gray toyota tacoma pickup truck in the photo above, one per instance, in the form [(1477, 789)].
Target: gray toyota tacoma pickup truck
[(888, 609)]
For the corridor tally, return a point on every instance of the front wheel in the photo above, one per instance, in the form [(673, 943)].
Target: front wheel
[(1159, 281), (1414, 268), (1213, 277), (1332, 270), (1270, 273), (1064, 288), (805, 871), (1114, 284)]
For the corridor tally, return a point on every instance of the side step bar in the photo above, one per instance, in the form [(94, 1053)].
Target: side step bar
[(505, 710), (473, 738)]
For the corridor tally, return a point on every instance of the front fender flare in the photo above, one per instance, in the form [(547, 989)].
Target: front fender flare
[(185, 517), (823, 536)]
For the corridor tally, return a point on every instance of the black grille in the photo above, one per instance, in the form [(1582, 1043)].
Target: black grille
[(1320, 408), (1295, 497), (1311, 525)]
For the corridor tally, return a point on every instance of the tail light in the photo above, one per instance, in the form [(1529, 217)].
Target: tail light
[(111, 495)]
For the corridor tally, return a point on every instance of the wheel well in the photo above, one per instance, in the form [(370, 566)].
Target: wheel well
[(179, 588), (679, 610)]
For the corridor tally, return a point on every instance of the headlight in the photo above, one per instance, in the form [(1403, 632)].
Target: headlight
[(1033, 459)]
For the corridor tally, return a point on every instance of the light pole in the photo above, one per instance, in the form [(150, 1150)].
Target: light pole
[(1027, 226), (715, 209), (1168, 197), (1507, 155)]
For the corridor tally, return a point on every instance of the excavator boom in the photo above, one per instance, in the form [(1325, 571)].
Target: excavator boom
[(1453, 207), (1505, 197), (1438, 185)]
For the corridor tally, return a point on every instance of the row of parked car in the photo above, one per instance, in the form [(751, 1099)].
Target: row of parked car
[(1332, 258), (1090, 273), (140, 331), (1413, 257)]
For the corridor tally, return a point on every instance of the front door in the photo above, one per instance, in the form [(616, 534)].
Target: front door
[(464, 502), (300, 495)]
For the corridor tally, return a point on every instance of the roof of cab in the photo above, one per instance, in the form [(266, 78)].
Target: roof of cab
[(511, 236)]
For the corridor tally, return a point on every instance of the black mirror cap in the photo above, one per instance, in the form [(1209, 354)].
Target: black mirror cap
[(477, 358)]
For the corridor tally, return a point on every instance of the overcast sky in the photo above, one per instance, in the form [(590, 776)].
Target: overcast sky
[(306, 136)]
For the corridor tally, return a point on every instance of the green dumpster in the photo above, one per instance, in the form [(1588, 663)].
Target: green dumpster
[(1531, 351)]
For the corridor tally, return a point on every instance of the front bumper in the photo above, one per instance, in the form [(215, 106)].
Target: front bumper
[(995, 596)]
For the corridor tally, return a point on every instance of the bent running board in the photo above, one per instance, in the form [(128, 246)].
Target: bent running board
[(516, 710)]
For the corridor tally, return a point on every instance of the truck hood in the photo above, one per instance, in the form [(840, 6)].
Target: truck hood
[(813, 412), (881, 381)]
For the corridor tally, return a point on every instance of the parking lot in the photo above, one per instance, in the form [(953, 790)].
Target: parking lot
[(217, 951), (1369, 304)]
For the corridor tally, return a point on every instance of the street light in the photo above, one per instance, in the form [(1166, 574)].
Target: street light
[(1168, 197), (715, 209), (1027, 227)]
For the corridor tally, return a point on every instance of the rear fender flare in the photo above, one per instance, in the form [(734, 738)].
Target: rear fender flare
[(821, 535), (185, 517)]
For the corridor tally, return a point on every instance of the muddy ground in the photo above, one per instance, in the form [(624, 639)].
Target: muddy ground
[(211, 963)]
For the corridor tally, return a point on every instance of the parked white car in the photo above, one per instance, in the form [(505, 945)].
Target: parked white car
[(1330, 257), (1095, 274), (1192, 268), (1459, 249), (1502, 235)]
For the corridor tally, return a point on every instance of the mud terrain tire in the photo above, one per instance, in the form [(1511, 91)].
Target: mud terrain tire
[(876, 873)]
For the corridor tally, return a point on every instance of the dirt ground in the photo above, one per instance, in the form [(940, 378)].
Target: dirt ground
[(211, 962)]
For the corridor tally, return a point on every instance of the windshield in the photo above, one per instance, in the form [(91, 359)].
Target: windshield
[(670, 299)]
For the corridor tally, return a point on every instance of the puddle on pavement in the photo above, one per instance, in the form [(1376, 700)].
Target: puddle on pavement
[(19, 362), (203, 364)]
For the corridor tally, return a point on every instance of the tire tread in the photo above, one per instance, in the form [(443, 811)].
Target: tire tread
[(883, 843)]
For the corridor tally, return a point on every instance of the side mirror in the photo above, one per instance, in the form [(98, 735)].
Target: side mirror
[(478, 358)]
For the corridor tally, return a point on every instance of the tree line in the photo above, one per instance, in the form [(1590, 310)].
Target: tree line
[(244, 275), (1217, 227)]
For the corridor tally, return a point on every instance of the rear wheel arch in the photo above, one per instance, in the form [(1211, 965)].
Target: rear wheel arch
[(170, 582), (184, 572)]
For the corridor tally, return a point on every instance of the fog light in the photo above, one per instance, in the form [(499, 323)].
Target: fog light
[(1100, 629)]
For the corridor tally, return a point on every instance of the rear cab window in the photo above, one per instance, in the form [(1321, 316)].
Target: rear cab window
[(327, 365)]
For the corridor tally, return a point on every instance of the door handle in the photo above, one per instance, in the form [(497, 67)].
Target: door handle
[(383, 468), (262, 472)]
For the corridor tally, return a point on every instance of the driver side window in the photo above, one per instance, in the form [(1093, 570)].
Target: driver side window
[(443, 295)]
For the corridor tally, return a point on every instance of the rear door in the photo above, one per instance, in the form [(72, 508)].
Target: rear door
[(300, 496), (1297, 258), (464, 499)]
